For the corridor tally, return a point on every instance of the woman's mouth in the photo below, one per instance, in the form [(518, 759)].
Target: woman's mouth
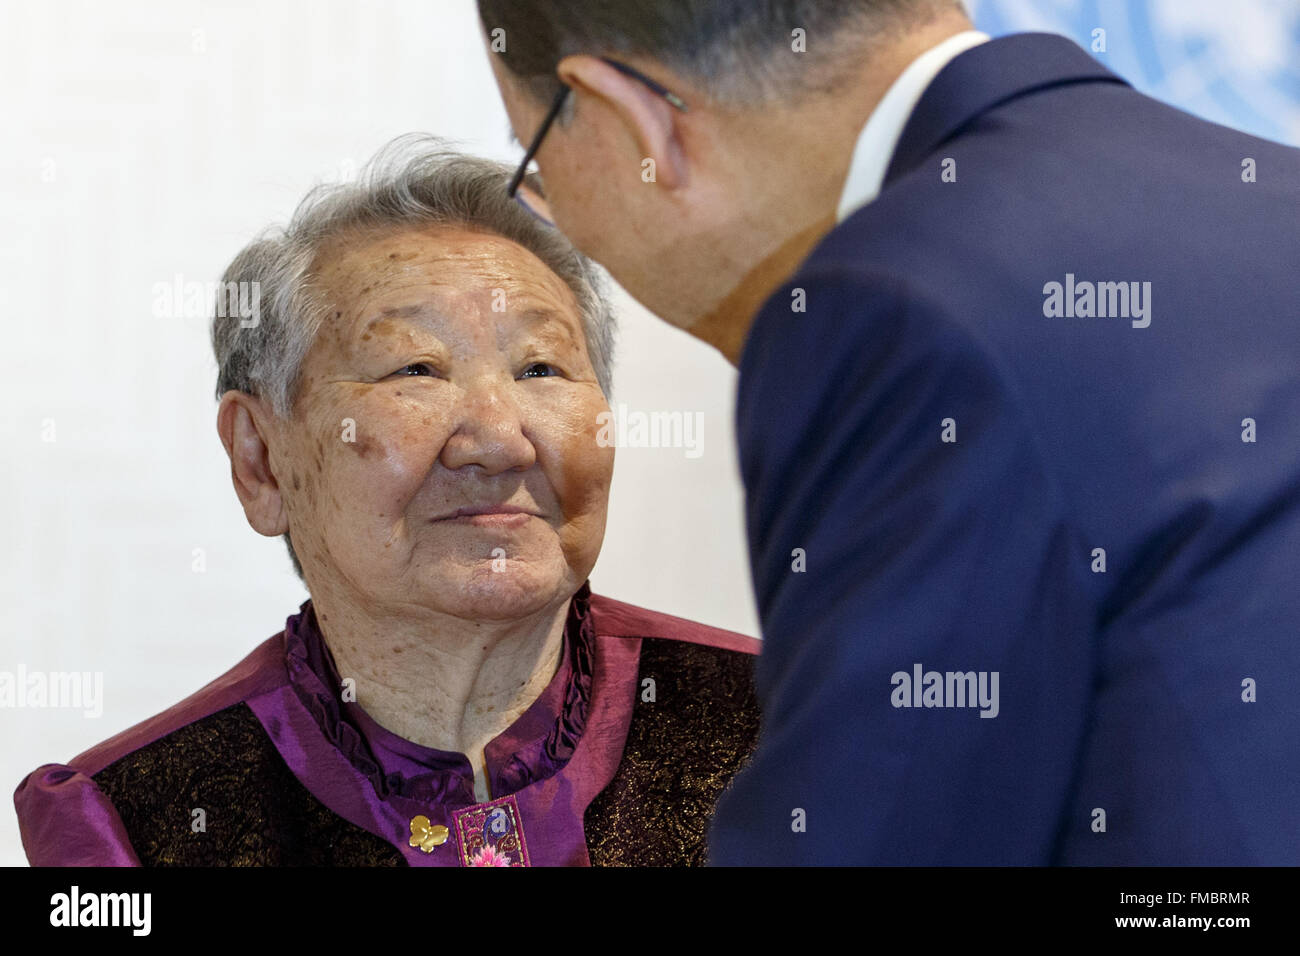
[(490, 516)]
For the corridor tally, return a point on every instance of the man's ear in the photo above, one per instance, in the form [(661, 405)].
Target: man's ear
[(244, 424), (648, 117)]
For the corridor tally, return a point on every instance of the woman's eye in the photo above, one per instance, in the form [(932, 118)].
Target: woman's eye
[(540, 370), (420, 368)]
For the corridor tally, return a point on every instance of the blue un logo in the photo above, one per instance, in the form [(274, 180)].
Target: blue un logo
[(1230, 63)]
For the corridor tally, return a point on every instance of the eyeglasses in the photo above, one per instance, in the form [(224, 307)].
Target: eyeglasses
[(530, 197)]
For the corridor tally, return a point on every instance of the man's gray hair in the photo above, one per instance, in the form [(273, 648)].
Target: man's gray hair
[(415, 180), (739, 51)]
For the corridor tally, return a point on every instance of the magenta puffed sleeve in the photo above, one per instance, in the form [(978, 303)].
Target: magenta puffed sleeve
[(66, 820)]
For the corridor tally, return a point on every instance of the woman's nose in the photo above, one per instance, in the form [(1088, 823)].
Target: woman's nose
[(489, 433)]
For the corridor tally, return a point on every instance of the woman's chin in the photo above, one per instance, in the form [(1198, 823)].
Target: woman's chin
[(498, 590)]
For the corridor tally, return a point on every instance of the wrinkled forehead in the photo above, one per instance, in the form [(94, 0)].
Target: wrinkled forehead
[(382, 281)]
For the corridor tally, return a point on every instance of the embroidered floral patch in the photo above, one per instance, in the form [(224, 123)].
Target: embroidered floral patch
[(491, 834)]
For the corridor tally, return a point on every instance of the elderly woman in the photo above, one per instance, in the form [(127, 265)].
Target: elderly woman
[(415, 408)]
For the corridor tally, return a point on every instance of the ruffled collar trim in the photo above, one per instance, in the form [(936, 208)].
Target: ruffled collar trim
[(316, 682)]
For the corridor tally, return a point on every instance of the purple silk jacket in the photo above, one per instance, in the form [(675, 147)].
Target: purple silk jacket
[(619, 761)]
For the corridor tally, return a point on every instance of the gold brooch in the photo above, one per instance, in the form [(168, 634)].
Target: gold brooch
[(427, 837)]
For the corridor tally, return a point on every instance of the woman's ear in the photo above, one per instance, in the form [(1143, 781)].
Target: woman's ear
[(646, 116), (244, 423)]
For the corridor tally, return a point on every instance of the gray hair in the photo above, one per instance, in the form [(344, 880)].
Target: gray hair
[(415, 180), (739, 51)]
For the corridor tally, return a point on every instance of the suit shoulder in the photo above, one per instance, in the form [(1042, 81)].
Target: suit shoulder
[(619, 619), (261, 670)]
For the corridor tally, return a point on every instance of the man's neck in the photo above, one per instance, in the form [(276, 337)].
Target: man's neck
[(791, 202)]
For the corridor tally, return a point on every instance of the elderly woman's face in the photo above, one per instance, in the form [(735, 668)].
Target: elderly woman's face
[(442, 452)]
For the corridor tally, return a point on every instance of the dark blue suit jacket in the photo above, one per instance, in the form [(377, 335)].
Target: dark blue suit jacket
[(1147, 713)]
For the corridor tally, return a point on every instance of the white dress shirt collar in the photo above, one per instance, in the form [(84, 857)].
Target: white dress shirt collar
[(875, 146)]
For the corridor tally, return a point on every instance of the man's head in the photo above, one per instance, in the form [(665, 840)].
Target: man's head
[(683, 206)]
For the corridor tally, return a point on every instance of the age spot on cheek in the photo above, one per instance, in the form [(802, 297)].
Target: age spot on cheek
[(365, 447)]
